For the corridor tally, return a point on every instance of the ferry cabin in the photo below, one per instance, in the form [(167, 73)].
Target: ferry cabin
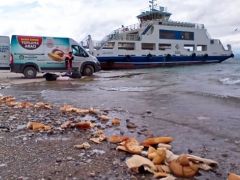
[(159, 41)]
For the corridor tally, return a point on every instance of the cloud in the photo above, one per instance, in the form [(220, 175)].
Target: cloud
[(78, 18)]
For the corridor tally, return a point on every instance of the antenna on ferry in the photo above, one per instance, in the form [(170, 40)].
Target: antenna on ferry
[(152, 4)]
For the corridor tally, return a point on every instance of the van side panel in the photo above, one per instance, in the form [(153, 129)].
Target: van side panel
[(47, 53), (4, 52)]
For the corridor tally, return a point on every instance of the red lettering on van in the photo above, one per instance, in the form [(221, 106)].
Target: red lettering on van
[(30, 42)]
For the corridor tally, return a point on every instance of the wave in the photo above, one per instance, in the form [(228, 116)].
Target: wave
[(229, 81), (224, 97)]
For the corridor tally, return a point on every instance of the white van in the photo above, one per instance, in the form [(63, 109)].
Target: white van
[(33, 54), (4, 52)]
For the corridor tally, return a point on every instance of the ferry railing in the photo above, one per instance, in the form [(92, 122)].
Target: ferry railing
[(128, 28), (159, 8), (132, 37), (118, 34)]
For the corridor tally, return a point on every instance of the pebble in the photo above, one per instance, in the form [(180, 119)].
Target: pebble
[(93, 174), (69, 158), (116, 162), (149, 112), (98, 152), (225, 155), (130, 125), (58, 160), (21, 127), (81, 155), (88, 161), (11, 118), (22, 178), (3, 165)]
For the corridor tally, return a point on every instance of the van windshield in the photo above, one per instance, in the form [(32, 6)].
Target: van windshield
[(79, 51)]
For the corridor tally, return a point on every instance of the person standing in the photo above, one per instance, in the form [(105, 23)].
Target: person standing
[(68, 62)]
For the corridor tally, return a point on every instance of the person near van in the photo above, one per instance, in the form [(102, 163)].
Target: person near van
[(68, 61)]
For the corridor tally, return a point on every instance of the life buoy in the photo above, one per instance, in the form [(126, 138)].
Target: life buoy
[(232, 56)]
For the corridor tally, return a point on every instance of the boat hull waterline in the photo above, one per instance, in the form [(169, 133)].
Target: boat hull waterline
[(133, 62)]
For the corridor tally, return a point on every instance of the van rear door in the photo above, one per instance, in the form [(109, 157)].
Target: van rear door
[(4, 52)]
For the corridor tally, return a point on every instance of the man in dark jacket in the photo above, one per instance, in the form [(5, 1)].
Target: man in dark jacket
[(68, 61)]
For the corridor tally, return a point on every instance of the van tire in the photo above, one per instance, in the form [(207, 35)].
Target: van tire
[(30, 72), (88, 70)]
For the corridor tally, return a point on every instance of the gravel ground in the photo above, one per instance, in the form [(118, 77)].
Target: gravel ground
[(51, 155)]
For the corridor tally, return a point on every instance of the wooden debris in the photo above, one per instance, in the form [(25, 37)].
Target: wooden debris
[(156, 140), (35, 126)]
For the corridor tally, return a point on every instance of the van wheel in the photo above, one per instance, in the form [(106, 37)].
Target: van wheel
[(88, 70), (30, 72)]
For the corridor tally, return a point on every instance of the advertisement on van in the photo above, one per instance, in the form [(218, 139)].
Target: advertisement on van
[(49, 50)]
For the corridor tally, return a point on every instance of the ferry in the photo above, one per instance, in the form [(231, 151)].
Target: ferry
[(157, 41)]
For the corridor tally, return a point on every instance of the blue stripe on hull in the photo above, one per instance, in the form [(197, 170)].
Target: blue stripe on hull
[(129, 62)]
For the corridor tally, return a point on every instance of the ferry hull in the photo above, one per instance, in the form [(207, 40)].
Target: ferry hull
[(134, 62)]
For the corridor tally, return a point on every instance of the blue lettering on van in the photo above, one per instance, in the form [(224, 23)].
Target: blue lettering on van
[(4, 49)]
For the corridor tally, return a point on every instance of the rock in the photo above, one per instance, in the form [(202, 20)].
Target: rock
[(4, 128), (69, 158), (22, 178), (130, 125), (85, 145), (3, 165), (93, 174), (149, 112), (11, 118), (225, 155), (81, 155), (58, 160), (21, 127), (88, 161), (98, 152), (116, 162)]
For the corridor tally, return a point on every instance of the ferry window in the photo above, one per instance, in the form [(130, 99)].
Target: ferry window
[(132, 37), (148, 46), (178, 35), (109, 45), (126, 46), (189, 47), (201, 47), (187, 36), (165, 34), (79, 51), (164, 46)]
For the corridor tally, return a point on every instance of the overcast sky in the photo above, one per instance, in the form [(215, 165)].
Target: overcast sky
[(78, 18)]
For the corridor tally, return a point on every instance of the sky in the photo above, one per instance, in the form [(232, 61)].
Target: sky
[(78, 18)]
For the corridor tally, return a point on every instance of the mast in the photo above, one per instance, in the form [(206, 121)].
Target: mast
[(152, 4)]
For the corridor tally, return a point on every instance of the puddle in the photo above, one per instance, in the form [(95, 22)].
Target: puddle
[(128, 89)]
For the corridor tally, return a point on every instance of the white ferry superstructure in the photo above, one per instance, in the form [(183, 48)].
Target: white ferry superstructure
[(157, 41)]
